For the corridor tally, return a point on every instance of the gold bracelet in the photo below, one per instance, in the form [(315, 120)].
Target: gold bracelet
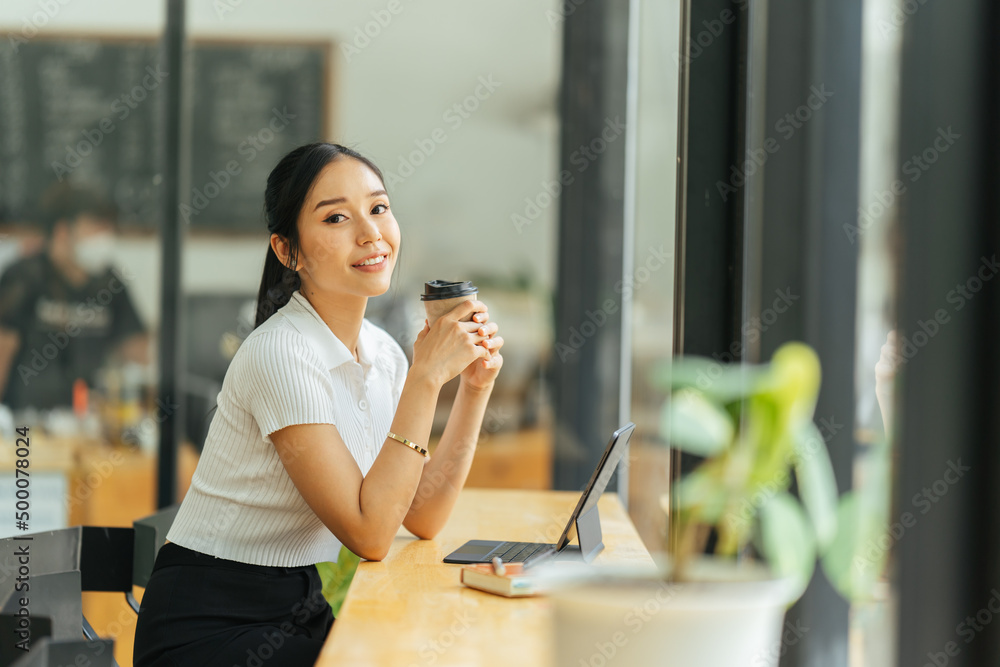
[(415, 447)]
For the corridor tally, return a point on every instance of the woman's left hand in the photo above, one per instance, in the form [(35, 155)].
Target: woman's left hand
[(481, 373)]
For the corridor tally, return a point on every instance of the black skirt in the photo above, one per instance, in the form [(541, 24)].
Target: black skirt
[(200, 611)]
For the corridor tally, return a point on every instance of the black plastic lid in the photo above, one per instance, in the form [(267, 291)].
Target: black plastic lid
[(438, 290)]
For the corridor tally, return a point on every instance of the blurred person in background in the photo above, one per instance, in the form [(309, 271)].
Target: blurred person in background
[(64, 312)]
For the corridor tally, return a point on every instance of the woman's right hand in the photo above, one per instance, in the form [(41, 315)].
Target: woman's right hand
[(444, 350)]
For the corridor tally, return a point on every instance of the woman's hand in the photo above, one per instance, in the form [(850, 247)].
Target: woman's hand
[(442, 351), (481, 373)]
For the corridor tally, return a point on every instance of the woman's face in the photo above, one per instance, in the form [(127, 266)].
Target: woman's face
[(348, 237)]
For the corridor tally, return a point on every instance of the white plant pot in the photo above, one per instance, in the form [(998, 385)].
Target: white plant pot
[(729, 617)]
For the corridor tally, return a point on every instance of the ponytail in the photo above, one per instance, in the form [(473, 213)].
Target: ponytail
[(276, 287)]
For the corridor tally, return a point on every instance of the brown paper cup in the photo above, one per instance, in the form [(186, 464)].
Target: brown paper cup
[(436, 309)]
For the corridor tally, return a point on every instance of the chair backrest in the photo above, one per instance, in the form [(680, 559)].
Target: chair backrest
[(103, 556), (150, 535), (13, 627), (62, 564), (48, 652), (54, 596)]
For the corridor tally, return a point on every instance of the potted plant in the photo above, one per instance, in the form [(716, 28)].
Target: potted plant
[(754, 426)]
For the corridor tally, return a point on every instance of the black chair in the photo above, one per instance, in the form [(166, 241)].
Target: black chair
[(52, 610), (16, 629), (62, 564), (150, 535), (48, 652)]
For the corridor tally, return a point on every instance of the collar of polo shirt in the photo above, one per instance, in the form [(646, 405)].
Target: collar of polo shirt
[(331, 349)]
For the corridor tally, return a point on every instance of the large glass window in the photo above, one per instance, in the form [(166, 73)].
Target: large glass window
[(81, 93), (652, 321), (456, 103), (464, 126), (882, 181)]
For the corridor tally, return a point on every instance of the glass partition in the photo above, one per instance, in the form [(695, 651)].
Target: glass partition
[(81, 93), (652, 320), (456, 105), (882, 181)]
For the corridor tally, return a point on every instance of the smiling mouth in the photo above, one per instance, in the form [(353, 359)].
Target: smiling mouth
[(373, 261)]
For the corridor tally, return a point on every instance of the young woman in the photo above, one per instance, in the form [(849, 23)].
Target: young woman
[(320, 431)]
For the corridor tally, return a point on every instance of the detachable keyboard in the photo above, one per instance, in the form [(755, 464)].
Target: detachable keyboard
[(518, 552)]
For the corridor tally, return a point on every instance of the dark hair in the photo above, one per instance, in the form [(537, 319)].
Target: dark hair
[(287, 186), (66, 201)]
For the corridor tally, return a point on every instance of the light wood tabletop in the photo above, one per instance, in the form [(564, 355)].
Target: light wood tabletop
[(411, 609)]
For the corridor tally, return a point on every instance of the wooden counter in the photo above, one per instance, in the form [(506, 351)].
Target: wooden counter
[(411, 609)]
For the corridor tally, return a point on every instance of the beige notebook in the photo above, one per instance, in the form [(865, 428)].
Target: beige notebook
[(512, 583)]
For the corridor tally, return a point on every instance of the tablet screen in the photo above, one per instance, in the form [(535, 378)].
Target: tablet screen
[(599, 479)]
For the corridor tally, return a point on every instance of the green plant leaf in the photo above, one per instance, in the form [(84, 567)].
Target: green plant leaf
[(696, 425), (816, 482), (337, 577), (720, 382), (795, 378), (858, 555), (787, 540), (702, 490), (852, 568), (768, 447)]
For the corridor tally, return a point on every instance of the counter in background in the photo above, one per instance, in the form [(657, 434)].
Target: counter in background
[(95, 484)]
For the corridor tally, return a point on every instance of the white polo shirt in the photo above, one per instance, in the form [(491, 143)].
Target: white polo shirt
[(292, 369)]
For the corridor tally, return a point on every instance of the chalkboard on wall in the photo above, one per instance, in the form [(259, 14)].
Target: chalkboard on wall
[(89, 109), (252, 104), (79, 110)]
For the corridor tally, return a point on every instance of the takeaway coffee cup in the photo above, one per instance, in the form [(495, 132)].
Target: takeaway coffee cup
[(440, 296)]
